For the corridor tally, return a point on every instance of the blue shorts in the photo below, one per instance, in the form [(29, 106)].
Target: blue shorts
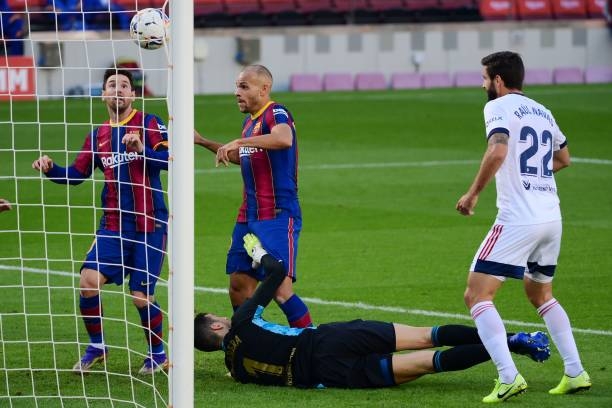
[(137, 254), (279, 237)]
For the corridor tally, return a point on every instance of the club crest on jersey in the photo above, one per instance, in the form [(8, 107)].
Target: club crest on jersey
[(117, 159), (247, 151), (256, 128)]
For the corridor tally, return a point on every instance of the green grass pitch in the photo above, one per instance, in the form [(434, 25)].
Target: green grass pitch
[(380, 173)]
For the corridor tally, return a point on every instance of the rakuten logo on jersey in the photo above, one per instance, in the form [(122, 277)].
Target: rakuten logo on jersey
[(247, 151), (117, 159)]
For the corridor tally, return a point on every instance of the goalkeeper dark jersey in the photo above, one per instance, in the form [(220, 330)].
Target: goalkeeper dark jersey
[(355, 354), (257, 351)]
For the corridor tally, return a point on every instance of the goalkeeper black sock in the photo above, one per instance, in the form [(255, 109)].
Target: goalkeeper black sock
[(460, 357), (454, 335)]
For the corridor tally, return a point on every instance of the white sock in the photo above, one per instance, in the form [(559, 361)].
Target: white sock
[(560, 330), (493, 335)]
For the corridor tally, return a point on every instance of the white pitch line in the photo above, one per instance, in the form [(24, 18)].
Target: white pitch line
[(347, 305), (382, 165)]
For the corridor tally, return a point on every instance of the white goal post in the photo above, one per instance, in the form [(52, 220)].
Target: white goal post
[(49, 102)]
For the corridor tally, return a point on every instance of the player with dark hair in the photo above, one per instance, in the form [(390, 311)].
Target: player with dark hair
[(355, 354), (131, 149), (267, 154), (525, 149)]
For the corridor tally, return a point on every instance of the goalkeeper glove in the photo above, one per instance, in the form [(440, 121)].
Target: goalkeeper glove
[(254, 249)]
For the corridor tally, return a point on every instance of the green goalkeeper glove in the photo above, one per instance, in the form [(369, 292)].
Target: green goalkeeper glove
[(254, 249)]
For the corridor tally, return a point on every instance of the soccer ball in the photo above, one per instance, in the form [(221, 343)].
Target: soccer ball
[(149, 28)]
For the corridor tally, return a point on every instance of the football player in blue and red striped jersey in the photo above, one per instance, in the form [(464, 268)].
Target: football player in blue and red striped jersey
[(131, 149), (267, 152)]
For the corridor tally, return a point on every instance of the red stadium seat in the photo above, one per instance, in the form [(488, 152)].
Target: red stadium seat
[(350, 5), (236, 7), (313, 6), (534, 9), (595, 8), (384, 5), (569, 8), (21, 5), (277, 6), (456, 4), (498, 9), (420, 4), (207, 7)]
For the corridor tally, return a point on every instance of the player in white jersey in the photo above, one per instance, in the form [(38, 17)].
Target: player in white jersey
[(525, 148)]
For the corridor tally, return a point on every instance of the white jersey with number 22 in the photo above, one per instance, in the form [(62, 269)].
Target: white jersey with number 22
[(526, 188)]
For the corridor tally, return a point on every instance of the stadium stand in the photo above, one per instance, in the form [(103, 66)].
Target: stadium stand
[(459, 10), (538, 76), (568, 76), (564, 9), (468, 79), (366, 81), (319, 12), (305, 83), (436, 80), (405, 80), (534, 9), (595, 8), (211, 13), (245, 12), (498, 9), (338, 82), (598, 75), (282, 12), (390, 11)]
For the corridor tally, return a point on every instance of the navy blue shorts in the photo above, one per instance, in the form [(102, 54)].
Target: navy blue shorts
[(279, 237), (137, 254), (355, 354)]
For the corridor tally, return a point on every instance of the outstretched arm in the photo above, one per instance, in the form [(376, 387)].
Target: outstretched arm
[(491, 162), (213, 146), (58, 174)]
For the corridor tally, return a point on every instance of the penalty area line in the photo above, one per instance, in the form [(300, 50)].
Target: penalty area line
[(334, 303)]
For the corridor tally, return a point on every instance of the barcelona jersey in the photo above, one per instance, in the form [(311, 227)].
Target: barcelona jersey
[(132, 197), (270, 176)]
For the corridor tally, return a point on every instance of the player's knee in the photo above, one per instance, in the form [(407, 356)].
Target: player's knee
[(284, 291), (89, 283), (141, 300), (469, 297)]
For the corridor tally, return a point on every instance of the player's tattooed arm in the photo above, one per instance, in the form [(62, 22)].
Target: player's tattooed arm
[(498, 138)]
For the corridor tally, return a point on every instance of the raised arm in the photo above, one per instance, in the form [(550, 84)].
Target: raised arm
[(266, 290)]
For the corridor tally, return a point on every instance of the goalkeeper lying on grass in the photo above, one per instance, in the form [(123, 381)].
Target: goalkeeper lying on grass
[(355, 354)]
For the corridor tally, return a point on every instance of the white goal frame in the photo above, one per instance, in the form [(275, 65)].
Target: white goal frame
[(181, 196)]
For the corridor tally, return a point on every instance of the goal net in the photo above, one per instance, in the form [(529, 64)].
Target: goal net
[(50, 104)]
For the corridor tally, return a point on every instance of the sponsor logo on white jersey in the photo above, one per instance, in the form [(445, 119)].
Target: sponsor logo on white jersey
[(117, 159)]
